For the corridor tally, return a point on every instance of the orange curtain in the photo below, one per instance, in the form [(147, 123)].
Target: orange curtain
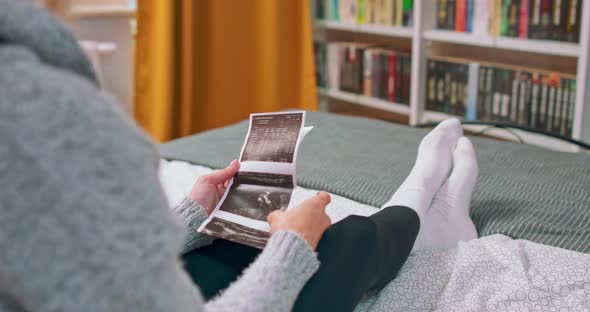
[(209, 63)]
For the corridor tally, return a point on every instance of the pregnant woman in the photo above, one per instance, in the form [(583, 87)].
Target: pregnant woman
[(84, 224)]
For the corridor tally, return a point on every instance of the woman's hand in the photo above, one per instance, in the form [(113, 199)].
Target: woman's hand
[(209, 188), (309, 219)]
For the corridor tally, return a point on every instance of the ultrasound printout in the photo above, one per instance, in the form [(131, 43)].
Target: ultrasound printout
[(264, 183)]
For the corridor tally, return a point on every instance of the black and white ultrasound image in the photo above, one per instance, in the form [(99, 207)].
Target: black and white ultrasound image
[(254, 195), (236, 233), (273, 138)]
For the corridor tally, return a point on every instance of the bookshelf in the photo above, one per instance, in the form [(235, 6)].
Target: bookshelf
[(512, 44), (366, 101), (425, 41), (374, 29)]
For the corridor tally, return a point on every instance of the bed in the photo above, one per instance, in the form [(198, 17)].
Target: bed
[(531, 208)]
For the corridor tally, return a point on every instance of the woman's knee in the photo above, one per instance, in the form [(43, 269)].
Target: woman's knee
[(359, 230)]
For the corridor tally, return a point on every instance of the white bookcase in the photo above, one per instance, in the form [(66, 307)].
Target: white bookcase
[(425, 40)]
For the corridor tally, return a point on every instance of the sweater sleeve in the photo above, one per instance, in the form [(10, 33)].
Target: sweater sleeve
[(271, 283), (192, 216)]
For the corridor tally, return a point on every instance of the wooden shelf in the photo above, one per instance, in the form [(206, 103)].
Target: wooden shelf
[(101, 10), (514, 44), (366, 101), (374, 29), (528, 137)]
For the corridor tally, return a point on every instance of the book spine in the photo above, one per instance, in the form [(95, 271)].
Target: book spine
[(408, 8), (388, 13), (572, 28), (440, 86), (472, 91), (431, 85), (513, 18), (367, 74), (497, 19), (534, 19), (572, 108), (534, 107), (505, 17), (470, 12), (543, 102), (523, 99), (375, 73), (391, 79), (557, 116), (441, 14), (382, 14), (452, 92), (497, 97), (557, 18), (523, 23), (461, 15), (399, 72), (334, 63), (362, 11), (399, 12), (481, 17), (464, 92), (358, 70), (551, 103), (481, 89), (377, 7), (514, 98), (489, 93), (450, 87), (351, 76), (564, 104), (544, 30), (506, 93), (369, 11), (451, 8), (406, 80), (336, 10), (384, 88)]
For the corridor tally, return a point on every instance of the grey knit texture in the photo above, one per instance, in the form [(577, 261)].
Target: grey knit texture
[(19, 23), (522, 191), (84, 223), (192, 216)]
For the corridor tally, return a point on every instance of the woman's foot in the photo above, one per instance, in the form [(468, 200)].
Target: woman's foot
[(433, 164), (448, 222)]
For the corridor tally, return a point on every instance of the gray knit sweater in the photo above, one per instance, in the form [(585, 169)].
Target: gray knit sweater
[(84, 225)]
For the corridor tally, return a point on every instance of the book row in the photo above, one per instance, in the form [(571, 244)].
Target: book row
[(384, 12), (370, 71), (539, 100), (557, 20)]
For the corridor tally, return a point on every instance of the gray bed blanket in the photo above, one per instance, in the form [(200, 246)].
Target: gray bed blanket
[(523, 191)]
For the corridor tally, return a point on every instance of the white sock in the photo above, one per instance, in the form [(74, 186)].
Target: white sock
[(447, 222), (433, 164)]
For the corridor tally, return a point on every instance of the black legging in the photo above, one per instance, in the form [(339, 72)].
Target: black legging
[(358, 255)]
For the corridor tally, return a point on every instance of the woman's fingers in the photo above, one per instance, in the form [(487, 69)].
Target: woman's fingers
[(223, 175)]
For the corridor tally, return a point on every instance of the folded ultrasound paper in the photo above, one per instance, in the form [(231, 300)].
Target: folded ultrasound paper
[(265, 181)]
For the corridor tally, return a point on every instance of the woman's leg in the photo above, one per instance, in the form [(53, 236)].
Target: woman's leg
[(359, 254)]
